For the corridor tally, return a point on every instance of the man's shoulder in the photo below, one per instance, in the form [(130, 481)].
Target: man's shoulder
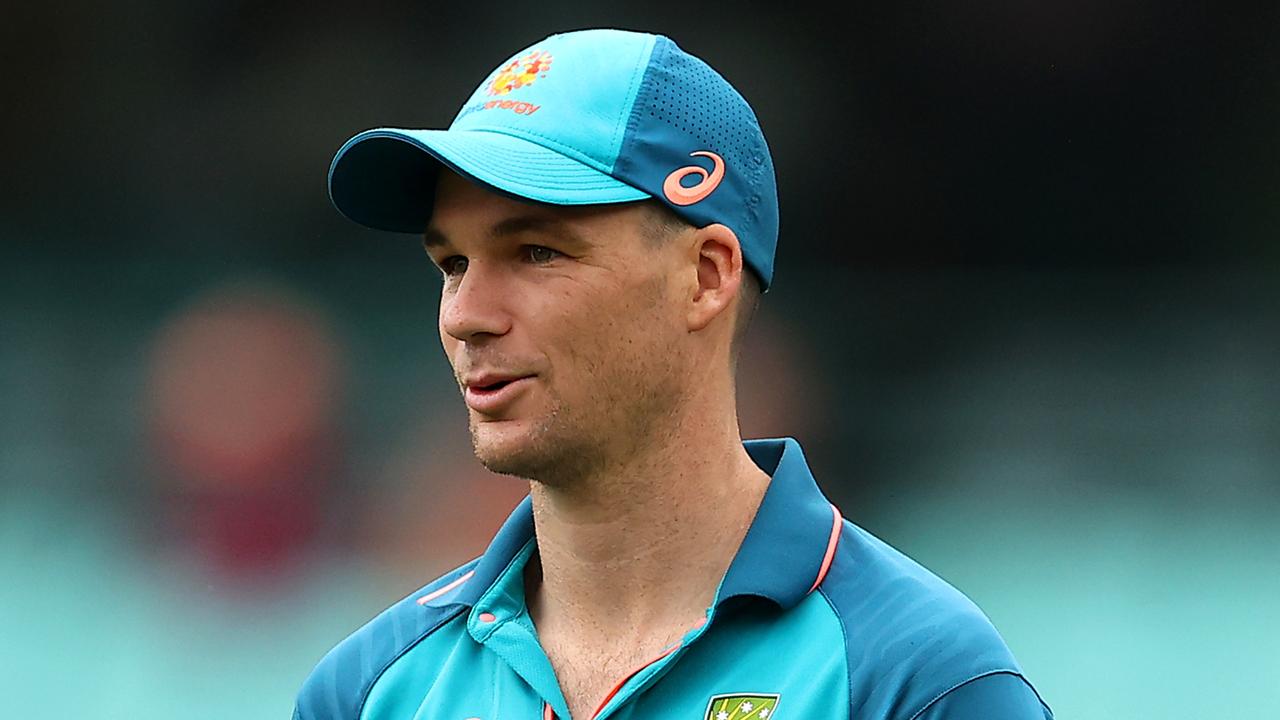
[(336, 689), (910, 635)]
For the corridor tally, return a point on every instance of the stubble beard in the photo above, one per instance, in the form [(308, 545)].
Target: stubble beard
[(566, 448), (553, 451)]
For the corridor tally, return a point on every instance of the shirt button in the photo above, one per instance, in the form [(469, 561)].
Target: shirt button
[(487, 617)]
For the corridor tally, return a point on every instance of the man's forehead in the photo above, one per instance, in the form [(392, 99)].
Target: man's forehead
[(503, 227)]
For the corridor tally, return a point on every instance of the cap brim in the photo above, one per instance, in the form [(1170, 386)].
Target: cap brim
[(385, 178)]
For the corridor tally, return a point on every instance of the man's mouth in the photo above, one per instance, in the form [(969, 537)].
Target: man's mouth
[(490, 394)]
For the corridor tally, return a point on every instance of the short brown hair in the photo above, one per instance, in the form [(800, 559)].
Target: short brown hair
[(661, 223)]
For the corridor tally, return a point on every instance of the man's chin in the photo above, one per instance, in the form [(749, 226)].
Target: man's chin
[(507, 447), (531, 450)]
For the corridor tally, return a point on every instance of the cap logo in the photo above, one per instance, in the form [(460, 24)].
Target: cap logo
[(678, 194), (521, 72)]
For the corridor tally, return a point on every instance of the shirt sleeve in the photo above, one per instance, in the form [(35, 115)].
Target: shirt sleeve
[(999, 696)]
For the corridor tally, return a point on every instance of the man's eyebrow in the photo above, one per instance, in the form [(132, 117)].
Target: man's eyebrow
[(433, 238), (537, 224)]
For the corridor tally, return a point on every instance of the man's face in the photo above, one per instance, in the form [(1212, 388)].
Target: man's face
[(562, 326)]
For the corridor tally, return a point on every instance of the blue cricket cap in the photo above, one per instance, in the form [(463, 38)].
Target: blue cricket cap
[(582, 118)]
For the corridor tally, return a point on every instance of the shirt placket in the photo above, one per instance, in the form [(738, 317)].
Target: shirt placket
[(642, 677)]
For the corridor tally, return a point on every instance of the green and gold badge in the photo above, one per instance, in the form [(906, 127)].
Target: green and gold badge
[(742, 706)]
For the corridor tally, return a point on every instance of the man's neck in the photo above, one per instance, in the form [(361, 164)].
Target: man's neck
[(641, 549)]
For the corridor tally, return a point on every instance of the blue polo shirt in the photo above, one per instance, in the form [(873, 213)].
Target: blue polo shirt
[(815, 619)]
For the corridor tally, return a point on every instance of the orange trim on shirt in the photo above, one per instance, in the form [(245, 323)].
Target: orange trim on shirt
[(437, 593), (831, 549)]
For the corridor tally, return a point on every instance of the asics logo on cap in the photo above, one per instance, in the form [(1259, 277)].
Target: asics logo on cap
[(678, 194)]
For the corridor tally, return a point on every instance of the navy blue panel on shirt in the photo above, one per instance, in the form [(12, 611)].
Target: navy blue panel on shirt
[(999, 696), (909, 635)]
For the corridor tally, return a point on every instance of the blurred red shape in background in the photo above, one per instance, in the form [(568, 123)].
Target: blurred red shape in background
[(243, 401)]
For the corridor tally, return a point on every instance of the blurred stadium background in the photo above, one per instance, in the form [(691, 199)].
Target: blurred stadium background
[(1026, 323)]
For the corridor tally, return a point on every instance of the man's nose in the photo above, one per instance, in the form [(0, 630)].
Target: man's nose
[(477, 305)]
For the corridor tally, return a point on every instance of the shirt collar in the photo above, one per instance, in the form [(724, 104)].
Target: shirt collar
[(789, 545), (784, 555)]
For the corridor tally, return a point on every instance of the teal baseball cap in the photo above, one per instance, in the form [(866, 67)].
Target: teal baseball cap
[(587, 117)]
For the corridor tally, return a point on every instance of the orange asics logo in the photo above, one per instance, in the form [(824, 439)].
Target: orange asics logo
[(678, 194), (520, 72)]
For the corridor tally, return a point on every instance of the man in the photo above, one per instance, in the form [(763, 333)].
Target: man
[(604, 214)]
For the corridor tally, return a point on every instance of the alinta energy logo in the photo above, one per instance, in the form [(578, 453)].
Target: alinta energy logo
[(521, 72)]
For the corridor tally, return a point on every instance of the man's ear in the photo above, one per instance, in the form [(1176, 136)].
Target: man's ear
[(719, 256)]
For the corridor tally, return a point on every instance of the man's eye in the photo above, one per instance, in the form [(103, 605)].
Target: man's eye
[(539, 254), (455, 265)]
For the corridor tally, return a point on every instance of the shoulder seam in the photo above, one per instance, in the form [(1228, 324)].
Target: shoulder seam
[(979, 676), (444, 619), (844, 640)]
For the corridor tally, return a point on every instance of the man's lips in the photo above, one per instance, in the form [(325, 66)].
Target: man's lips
[(488, 394)]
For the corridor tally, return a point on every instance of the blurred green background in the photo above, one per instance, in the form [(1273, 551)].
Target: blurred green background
[(1026, 323)]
